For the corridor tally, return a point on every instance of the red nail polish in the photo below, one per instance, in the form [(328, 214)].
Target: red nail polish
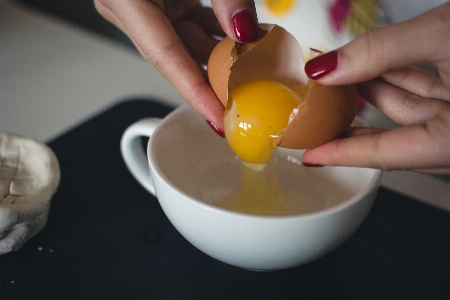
[(245, 27), (321, 65), (216, 129), (312, 165)]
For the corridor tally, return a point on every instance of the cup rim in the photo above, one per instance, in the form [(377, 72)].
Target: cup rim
[(371, 185)]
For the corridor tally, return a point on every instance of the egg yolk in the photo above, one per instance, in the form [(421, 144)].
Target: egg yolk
[(279, 6), (257, 112)]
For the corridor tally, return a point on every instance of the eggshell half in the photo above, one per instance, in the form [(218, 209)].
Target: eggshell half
[(275, 56)]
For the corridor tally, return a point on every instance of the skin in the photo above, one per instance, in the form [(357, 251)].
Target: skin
[(379, 62), (176, 38)]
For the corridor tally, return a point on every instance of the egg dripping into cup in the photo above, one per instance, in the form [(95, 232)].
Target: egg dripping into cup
[(269, 99)]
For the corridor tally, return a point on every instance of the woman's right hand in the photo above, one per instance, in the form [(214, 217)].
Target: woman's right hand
[(381, 63), (176, 37)]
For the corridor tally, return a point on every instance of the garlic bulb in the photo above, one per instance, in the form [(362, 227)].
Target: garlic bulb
[(29, 176)]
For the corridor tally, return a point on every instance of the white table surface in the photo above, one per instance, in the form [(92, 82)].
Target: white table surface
[(54, 75)]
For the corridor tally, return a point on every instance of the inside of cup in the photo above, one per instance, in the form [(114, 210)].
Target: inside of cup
[(202, 165)]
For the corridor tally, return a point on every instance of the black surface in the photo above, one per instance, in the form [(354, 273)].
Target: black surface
[(107, 238)]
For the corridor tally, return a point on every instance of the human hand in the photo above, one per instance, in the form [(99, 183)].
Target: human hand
[(380, 62), (29, 175), (176, 37)]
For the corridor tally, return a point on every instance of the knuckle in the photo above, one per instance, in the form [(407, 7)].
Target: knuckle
[(369, 50), (159, 57), (434, 87)]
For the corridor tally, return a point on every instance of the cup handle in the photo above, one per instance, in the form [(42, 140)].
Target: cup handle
[(134, 155)]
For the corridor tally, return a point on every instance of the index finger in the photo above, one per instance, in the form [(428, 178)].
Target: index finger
[(238, 19), (155, 38), (420, 40)]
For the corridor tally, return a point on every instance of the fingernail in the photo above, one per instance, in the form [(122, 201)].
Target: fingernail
[(245, 27), (216, 129), (312, 165), (321, 65)]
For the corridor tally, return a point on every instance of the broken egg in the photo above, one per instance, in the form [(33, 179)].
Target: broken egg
[(317, 115)]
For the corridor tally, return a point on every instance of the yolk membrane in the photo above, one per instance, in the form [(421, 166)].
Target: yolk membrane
[(257, 112)]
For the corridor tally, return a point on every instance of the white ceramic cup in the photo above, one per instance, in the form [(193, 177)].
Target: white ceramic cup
[(189, 167)]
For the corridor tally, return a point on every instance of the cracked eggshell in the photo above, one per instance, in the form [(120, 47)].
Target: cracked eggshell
[(276, 56), (325, 112)]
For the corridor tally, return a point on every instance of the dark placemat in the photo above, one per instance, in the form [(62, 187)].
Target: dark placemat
[(107, 238)]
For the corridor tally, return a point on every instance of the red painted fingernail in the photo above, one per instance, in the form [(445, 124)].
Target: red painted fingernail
[(312, 165), (321, 65), (245, 27), (216, 129)]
